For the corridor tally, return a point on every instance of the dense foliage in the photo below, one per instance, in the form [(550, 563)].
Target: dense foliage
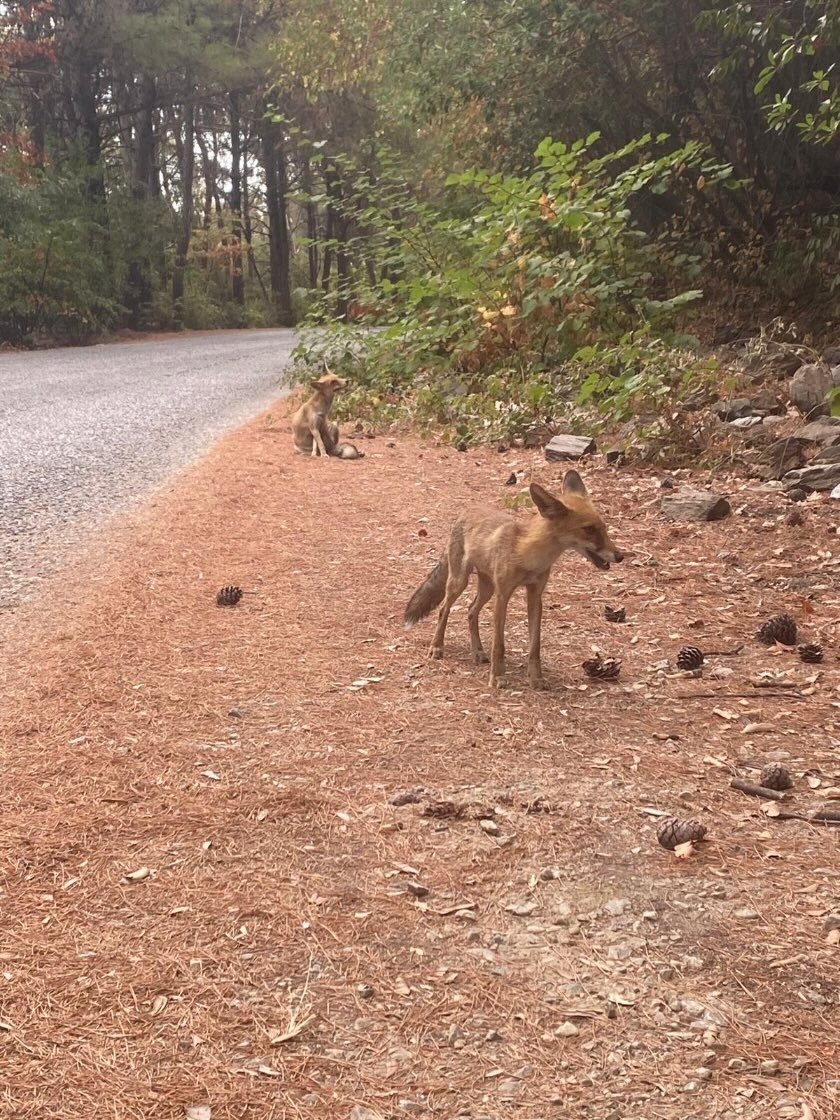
[(233, 162)]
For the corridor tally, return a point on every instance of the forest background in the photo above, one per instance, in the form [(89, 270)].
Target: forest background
[(538, 204)]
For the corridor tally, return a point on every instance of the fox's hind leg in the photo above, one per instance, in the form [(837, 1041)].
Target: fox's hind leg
[(482, 596), (459, 577)]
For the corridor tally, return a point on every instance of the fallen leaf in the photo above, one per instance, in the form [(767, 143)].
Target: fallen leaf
[(685, 851), (292, 1032), (620, 1000), (262, 814), (136, 876), (269, 1071), (211, 774), (159, 1003), (771, 810)]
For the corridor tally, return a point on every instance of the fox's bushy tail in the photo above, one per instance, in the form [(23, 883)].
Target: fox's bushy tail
[(429, 594)]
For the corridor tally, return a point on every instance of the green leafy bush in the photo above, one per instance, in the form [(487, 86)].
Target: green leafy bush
[(520, 296)]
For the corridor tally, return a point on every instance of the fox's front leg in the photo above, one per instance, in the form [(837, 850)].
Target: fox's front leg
[(497, 653), (535, 594), (318, 447)]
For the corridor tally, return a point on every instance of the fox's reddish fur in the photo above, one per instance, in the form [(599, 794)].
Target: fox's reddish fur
[(507, 554), (313, 433)]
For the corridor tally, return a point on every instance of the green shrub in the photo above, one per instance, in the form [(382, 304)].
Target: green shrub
[(519, 298)]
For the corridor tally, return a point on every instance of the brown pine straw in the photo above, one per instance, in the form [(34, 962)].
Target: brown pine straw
[(269, 961)]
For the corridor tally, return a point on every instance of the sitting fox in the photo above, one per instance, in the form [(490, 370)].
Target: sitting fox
[(312, 432)]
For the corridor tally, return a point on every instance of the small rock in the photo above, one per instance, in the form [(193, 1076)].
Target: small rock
[(509, 1089), (489, 826), (809, 389), (235, 713), (359, 1112), (618, 906), (832, 921), (823, 476), (569, 447), (615, 457), (511, 479), (493, 1036), (703, 1073), (691, 1087), (828, 455), (566, 1030), (364, 991), (746, 913), (407, 796), (769, 1067), (415, 888), (695, 505), (835, 493), (797, 494), (736, 409), (736, 1064), (825, 431)]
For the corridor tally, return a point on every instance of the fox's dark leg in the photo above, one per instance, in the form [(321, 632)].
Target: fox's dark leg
[(535, 594), (482, 596)]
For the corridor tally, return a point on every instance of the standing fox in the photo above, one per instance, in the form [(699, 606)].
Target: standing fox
[(506, 554), (312, 432)]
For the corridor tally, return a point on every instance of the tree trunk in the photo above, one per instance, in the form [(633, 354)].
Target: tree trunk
[(274, 165), (237, 280), (185, 232), (311, 221)]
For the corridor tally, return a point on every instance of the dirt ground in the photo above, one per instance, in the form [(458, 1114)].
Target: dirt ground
[(210, 901)]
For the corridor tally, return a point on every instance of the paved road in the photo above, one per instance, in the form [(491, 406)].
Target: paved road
[(83, 432)]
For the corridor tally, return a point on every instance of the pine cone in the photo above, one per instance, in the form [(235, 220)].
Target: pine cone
[(672, 831), (812, 652), (775, 776), (615, 614), (780, 628), (228, 596), (690, 658), (602, 669)]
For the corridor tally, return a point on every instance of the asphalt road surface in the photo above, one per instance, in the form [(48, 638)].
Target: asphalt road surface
[(85, 432)]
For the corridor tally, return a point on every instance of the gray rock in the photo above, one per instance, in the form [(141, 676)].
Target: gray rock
[(509, 1089), (831, 356), (823, 476), (766, 402), (809, 389), (828, 455), (569, 447), (781, 456), (695, 505), (825, 431), (835, 493), (735, 409)]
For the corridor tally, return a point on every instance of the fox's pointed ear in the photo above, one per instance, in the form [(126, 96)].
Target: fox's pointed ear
[(546, 503), (574, 484)]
